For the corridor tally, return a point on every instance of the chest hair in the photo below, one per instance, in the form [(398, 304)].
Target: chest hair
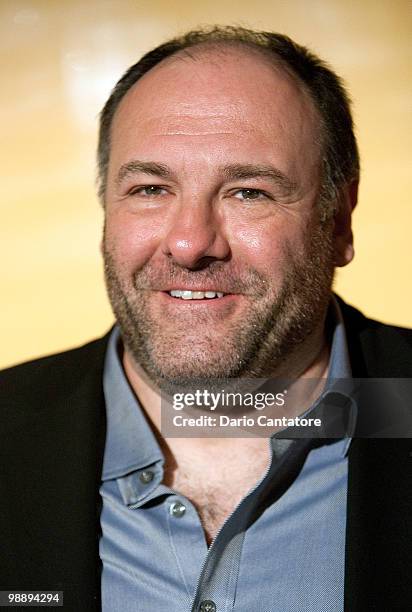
[(216, 485)]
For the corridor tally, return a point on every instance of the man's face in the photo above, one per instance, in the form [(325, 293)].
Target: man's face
[(212, 189)]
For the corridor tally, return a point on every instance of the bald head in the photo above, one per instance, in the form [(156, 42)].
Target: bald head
[(340, 163)]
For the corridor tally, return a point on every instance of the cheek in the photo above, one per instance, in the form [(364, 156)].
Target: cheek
[(266, 247), (131, 239)]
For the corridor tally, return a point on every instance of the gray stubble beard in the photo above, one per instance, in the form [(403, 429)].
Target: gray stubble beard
[(255, 347)]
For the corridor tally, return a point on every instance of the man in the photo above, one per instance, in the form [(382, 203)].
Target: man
[(228, 174)]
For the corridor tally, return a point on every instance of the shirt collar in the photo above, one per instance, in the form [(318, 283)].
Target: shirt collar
[(340, 382), (130, 442), (339, 362), (336, 406)]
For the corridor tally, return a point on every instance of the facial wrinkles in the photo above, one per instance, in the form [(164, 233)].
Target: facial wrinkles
[(283, 282), (151, 128), (225, 277), (178, 99), (197, 163), (197, 160), (277, 318)]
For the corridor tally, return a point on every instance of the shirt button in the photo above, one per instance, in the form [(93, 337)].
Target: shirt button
[(207, 606), (177, 509), (146, 476)]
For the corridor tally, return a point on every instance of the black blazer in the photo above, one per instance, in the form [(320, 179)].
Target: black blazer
[(51, 448)]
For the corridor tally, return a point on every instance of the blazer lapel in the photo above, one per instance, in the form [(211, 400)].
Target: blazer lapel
[(378, 531), (379, 535), (53, 504)]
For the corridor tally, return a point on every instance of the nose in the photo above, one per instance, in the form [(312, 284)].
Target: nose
[(195, 235)]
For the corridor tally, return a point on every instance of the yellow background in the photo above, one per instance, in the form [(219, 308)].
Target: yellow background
[(60, 59)]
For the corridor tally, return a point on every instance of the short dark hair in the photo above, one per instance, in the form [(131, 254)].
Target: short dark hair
[(340, 157)]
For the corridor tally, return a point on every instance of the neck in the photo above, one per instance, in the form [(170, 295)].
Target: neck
[(309, 361)]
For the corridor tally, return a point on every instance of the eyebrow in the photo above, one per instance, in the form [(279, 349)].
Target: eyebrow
[(231, 172), (135, 167), (235, 172)]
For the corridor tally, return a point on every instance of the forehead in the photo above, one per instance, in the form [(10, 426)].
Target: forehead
[(197, 113), (211, 84)]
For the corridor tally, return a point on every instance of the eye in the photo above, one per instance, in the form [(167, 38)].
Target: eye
[(250, 194), (147, 191)]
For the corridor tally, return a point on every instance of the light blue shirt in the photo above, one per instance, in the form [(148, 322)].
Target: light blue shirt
[(282, 549)]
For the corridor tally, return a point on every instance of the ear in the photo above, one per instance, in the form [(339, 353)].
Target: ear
[(342, 232)]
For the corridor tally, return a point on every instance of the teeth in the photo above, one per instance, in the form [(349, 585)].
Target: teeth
[(195, 295)]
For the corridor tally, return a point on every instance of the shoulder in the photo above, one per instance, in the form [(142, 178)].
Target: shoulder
[(376, 349), (52, 376)]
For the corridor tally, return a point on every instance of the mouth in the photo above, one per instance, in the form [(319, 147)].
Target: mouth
[(185, 294)]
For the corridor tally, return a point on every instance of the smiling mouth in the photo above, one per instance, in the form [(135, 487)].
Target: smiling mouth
[(184, 294)]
